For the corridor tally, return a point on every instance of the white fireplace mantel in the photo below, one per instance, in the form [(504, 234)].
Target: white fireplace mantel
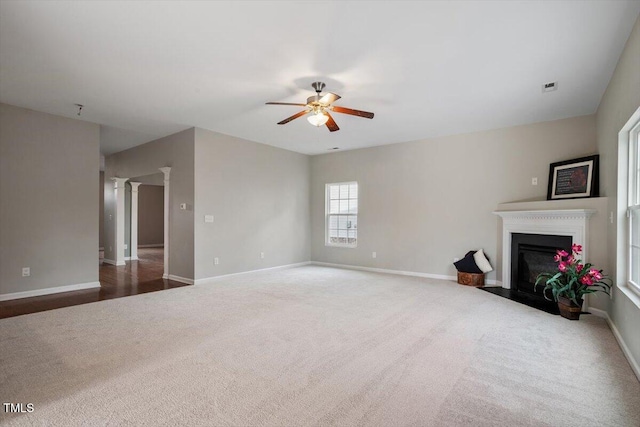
[(561, 222)]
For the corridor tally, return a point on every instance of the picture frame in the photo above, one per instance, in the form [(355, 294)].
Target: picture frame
[(574, 179)]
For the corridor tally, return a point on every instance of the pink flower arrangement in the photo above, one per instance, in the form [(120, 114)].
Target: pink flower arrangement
[(574, 279)]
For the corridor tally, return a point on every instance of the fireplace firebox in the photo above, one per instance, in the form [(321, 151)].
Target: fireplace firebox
[(532, 254)]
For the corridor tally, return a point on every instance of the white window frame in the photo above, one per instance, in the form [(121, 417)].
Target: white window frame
[(626, 203), (633, 201), (327, 206)]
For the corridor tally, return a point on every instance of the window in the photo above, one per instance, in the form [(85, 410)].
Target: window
[(341, 214), (633, 211)]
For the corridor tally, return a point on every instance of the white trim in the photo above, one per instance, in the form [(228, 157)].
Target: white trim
[(635, 366), (213, 279), (327, 214), (153, 245), (167, 174), (134, 220), (111, 261), (623, 192), (130, 258), (48, 291), (180, 279), (398, 272), (561, 222)]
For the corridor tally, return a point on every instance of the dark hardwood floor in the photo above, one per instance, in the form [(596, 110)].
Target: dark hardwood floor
[(137, 277)]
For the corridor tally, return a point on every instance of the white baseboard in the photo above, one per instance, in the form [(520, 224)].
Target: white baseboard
[(130, 258), (48, 291), (627, 353), (398, 272), (108, 261), (179, 279), (154, 245), (207, 280)]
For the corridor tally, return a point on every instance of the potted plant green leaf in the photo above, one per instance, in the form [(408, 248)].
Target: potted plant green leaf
[(572, 282)]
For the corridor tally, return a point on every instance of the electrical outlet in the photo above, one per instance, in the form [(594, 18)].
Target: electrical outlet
[(26, 271), (374, 255), (216, 261), (208, 218), (262, 255), (534, 181)]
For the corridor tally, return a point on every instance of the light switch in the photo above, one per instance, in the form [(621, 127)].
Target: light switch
[(208, 218), (183, 206)]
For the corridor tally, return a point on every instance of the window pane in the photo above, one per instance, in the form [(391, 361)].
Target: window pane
[(351, 234), (334, 191), (353, 220), (344, 206), (334, 206), (342, 222), (635, 265), (333, 233), (344, 191), (635, 227), (353, 191), (333, 222), (353, 206), (342, 233)]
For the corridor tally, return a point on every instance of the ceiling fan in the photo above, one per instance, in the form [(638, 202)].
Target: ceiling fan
[(318, 108)]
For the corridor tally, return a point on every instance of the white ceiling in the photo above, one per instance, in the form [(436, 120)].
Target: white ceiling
[(149, 69)]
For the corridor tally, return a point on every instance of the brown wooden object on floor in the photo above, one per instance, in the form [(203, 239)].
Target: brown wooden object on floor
[(137, 277), (471, 279)]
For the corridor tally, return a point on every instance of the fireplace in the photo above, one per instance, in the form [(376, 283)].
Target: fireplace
[(568, 223), (532, 254)]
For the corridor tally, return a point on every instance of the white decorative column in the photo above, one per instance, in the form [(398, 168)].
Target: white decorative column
[(119, 225), (133, 251), (166, 171)]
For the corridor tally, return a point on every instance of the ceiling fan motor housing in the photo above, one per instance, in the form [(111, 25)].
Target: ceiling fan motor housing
[(318, 86)]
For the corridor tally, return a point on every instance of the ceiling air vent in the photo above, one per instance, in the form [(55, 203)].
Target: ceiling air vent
[(550, 87)]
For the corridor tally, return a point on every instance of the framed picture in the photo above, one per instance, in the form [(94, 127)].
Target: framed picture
[(574, 179)]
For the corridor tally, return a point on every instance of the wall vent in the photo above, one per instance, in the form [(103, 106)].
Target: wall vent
[(550, 87)]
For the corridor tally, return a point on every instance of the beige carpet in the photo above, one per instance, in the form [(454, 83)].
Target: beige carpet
[(315, 346)]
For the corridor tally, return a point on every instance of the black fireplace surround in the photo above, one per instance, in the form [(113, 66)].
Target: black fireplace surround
[(532, 254)]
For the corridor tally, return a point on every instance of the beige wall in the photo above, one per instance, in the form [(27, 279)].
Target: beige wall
[(424, 203), (176, 151), (259, 197), (619, 102), (49, 205), (150, 215)]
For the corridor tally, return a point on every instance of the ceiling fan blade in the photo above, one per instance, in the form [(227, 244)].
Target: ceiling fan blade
[(295, 116), (353, 112), (329, 98), (285, 103), (331, 124)]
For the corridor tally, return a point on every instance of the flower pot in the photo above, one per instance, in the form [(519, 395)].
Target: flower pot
[(569, 309)]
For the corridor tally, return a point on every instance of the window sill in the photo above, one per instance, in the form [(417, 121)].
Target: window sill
[(332, 245), (631, 294)]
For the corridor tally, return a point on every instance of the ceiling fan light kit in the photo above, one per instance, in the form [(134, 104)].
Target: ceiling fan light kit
[(318, 119), (319, 107)]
